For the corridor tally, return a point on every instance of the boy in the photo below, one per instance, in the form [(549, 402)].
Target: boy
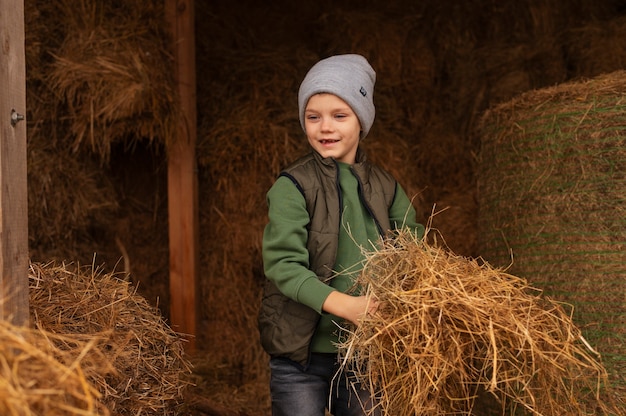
[(323, 210)]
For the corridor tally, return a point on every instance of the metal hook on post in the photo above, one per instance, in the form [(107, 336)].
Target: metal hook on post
[(16, 117)]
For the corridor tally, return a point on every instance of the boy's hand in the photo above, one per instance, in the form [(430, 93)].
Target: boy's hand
[(352, 308)]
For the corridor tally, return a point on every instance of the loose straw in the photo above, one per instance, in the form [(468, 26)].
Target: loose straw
[(451, 330)]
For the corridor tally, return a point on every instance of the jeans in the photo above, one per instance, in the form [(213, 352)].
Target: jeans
[(298, 392)]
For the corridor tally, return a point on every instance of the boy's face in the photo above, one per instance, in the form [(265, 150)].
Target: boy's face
[(332, 128)]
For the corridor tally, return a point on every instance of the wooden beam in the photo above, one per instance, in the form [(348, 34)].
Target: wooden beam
[(182, 177), (14, 304)]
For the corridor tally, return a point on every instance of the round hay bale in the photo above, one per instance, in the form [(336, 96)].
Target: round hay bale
[(139, 366), (449, 329), (552, 193)]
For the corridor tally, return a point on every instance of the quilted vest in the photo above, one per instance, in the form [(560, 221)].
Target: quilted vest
[(286, 326)]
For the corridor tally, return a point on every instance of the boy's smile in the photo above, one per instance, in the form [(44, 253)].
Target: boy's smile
[(332, 128)]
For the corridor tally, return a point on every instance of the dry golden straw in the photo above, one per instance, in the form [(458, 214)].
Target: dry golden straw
[(42, 373), (136, 364), (451, 329)]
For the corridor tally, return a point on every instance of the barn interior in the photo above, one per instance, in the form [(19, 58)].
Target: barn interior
[(102, 109)]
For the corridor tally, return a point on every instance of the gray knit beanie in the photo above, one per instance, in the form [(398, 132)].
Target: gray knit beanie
[(349, 77)]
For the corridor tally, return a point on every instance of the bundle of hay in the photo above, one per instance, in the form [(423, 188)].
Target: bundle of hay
[(137, 362), (450, 328)]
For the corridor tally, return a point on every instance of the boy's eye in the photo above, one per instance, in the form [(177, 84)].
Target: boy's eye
[(340, 115), (312, 117)]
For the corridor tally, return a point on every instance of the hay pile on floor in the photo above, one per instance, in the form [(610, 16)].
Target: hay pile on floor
[(450, 328), (135, 361), (42, 373)]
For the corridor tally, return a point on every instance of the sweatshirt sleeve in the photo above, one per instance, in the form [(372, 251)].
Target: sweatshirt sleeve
[(285, 254), (402, 213)]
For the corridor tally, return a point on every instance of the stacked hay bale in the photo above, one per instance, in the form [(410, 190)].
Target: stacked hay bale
[(98, 348), (99, 87), (99, 80), (238, 155), (449, 329), (552, 190)]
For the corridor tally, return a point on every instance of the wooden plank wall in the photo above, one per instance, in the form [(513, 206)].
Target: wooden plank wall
[(14, 304)]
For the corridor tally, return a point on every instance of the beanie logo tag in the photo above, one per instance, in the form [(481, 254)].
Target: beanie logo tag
[(363, 92)]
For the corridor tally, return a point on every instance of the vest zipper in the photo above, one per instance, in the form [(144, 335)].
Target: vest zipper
[(365, 203)]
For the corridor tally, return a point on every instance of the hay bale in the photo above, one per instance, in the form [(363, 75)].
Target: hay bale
[(552, 186), (99, 80), (449, 328), (140, 366), (67, 198), (104, 72), (239, 157)]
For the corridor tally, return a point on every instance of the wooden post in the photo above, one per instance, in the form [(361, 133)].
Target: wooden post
[(14, 304), (182, 177)]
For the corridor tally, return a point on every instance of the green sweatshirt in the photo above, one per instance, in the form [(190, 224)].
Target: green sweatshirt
[(286, 259)]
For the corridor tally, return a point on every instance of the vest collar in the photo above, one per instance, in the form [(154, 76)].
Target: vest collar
[(329, 164)]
